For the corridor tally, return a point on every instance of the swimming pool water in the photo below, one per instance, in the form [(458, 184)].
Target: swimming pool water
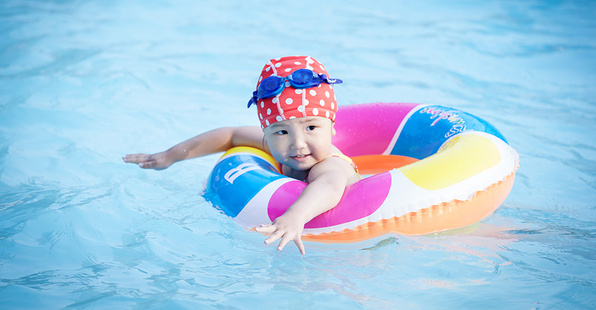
[(84, 82)]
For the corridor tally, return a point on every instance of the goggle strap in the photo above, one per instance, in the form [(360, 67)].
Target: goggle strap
[(252, 100), (327, 80)]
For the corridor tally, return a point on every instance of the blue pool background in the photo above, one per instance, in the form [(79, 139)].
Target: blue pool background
[(84, 82)]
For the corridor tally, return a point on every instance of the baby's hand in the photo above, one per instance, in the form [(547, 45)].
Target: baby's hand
[(287, 229), (157, 161)]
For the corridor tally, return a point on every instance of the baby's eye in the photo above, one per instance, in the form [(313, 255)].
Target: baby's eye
[(311, 127), (282, 132)]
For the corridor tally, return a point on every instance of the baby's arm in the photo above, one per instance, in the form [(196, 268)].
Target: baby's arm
[(327, 182), (214, 141)]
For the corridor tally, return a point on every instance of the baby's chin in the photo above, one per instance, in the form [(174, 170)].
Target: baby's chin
[(304, 163)]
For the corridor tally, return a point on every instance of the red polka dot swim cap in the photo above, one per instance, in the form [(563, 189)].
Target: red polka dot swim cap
[(291, 102)]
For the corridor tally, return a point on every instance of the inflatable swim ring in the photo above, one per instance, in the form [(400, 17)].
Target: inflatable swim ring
[(433, 168)]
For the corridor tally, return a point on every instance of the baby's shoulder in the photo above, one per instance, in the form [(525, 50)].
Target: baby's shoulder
[(336, 163)]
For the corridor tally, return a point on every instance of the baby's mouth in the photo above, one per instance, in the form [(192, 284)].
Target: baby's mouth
[(301, 156)]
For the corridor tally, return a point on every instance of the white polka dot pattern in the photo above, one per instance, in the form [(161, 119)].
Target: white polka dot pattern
[(292, 103)]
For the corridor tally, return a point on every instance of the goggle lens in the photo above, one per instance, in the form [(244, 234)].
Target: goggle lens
[(270, 86), (304, 78)]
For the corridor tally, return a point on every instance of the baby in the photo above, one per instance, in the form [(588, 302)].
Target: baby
[(296, 106)]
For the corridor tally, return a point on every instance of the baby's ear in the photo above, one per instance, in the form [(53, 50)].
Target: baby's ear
[(333, 132)]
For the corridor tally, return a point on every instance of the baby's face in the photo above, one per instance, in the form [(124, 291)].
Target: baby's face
[(300, 143)]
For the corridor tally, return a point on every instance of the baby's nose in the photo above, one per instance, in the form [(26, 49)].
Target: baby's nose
[(299, 141)]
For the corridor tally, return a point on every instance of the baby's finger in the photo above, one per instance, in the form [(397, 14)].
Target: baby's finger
[(135, 158), (283, 243), (276, 235), (147, 164), (268, 228), (300, 245)]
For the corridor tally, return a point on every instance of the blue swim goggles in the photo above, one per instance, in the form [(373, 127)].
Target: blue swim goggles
[(301, 78)]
